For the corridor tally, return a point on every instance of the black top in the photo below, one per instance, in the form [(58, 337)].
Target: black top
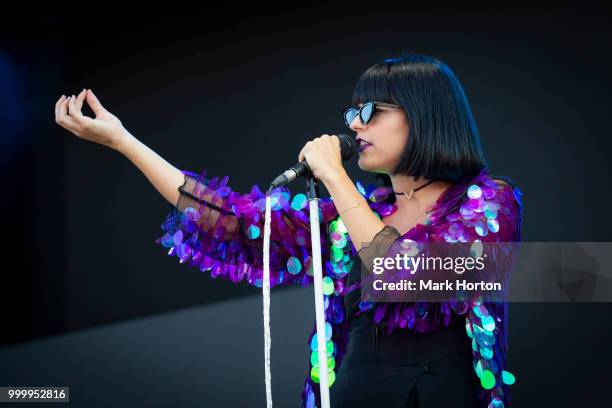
[(405, 368), (378, 248)]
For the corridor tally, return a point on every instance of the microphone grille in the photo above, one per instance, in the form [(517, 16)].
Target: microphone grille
[(348, 146)]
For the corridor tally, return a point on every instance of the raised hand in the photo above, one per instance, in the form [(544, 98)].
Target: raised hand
[(105, 129)]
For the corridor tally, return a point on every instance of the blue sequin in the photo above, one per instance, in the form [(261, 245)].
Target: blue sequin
[(496, 403), (360, 188), (328, 331), (474, 191), (299, 202), (481, 228), (486, 352), (488, 323), (293, 265), (253, 232), (508, 377), (493, 225)]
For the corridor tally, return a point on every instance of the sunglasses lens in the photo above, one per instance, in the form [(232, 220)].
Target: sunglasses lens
[(349, 115), (366, 112)]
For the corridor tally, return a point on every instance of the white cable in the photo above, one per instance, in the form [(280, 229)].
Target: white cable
[(319, 301), (266, 300)]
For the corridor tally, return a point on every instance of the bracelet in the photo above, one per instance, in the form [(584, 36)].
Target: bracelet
[(350, 208)]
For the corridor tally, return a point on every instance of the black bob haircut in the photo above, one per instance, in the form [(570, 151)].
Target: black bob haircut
[(443, 143)]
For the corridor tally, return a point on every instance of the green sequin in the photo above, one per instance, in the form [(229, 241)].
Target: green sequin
[(314, 361), (330, 347), (487, 380), (331, 376), (314, 374), (336, 254), (331, 362), (333, 226), (328, 286)]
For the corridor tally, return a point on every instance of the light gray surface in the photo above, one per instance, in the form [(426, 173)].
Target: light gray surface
[(209, 356)]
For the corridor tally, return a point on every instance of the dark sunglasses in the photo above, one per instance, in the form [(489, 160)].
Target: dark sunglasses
[(365, 112)]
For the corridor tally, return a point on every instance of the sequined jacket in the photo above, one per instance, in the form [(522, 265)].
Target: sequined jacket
[(216, 229)]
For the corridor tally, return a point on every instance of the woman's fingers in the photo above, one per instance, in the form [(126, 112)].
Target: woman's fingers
[(94, 103), (79, 100), (301, 155), (63, 109), (74, 111), (57, 105), (62, 116)]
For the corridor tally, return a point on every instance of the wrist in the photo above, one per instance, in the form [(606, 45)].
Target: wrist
[(122, 140), (335, 179)]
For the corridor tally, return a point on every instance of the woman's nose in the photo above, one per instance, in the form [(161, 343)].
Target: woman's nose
[(356, 124)]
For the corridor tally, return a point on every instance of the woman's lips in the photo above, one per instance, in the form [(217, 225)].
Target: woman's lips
[(363, 145)]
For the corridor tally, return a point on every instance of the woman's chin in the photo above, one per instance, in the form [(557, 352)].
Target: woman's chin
[(367, 165), (364, 164)]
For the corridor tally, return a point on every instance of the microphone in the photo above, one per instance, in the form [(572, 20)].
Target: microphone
[(348, 147)]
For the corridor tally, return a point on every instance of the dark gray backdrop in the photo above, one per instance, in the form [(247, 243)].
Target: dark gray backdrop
[(239, 92)]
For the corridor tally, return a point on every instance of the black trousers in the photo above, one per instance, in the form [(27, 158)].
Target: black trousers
[(405, 369)]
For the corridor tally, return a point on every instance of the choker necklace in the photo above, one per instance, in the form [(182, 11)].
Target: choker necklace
[(413, 190)]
